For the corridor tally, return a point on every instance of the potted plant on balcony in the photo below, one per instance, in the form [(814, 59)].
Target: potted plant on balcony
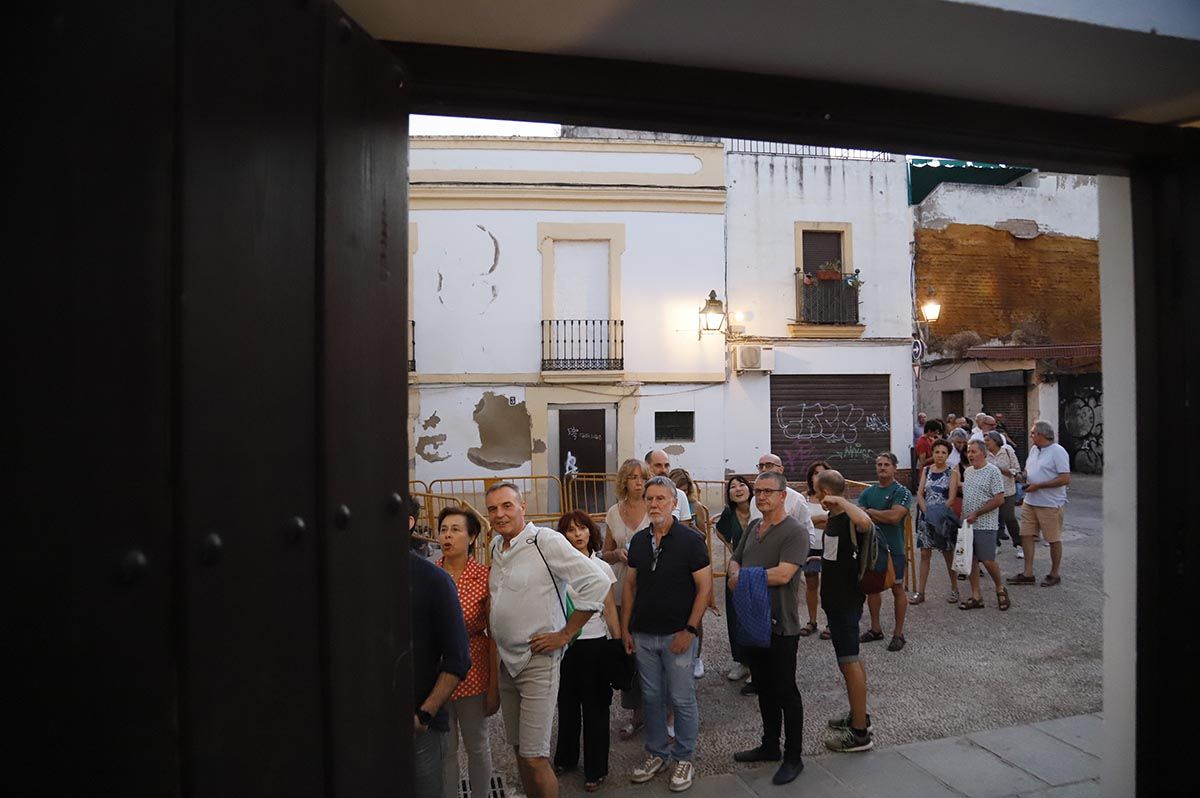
[(854, 281), (830, 270)]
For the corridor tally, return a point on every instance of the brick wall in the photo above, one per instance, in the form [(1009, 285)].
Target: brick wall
[(990, 281)]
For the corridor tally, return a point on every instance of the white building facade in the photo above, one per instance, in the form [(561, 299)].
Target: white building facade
[(555, 297)]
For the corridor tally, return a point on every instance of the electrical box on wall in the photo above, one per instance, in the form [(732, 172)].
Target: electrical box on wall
[(753, 357)]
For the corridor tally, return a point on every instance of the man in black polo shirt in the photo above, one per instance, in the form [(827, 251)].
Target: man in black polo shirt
[(667, 590), (441, 659), (779, 544)]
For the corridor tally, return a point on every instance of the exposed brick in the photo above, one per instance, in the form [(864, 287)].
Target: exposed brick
[(990, 281)]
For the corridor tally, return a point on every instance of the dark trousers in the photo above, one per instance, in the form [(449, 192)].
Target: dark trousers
[(773, 671), (739, 654), (583, 690)]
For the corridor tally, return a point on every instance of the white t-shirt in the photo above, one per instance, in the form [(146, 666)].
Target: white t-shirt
[(1043, 465), (595, 626), (683, 510), (795, 505)]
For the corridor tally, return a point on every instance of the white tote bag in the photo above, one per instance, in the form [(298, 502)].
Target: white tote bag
[(964, 549)]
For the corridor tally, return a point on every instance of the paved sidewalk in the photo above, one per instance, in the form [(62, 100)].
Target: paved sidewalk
[(1052, 759)]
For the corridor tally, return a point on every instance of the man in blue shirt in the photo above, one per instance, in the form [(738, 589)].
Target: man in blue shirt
[(440, 658), (886, 503)]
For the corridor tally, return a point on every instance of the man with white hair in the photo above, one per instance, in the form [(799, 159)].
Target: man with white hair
[(1047, 474), (983, 425)]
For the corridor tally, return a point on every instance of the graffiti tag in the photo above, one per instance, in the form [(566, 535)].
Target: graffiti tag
[(831, 423), (576, 435), (854, 452), (876, 424)]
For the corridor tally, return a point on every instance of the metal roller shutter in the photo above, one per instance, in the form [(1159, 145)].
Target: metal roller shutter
[(844, 419), (1011, 402)]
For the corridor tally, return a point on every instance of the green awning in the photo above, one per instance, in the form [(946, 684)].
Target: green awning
[(925, 174)]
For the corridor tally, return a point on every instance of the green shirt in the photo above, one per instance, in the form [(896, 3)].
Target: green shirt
[(877, 498)]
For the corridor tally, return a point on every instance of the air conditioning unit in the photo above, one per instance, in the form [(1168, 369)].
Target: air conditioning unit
[(753, 357)]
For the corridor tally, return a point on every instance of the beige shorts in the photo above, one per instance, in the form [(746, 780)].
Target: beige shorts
[(528, 701), (1048, 521)]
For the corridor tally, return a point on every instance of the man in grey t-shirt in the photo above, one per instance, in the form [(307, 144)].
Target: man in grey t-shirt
[(778, 543)]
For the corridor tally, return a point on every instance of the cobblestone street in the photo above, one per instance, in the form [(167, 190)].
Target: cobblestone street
[(960, 672)]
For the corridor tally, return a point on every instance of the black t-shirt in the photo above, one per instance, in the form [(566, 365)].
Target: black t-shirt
[(839, 566), (666, 589)]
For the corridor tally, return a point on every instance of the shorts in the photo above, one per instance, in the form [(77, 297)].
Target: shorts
[(899, 562), (843, 630), (528, 701), (813, 566), (1045, 520), (985, 544)]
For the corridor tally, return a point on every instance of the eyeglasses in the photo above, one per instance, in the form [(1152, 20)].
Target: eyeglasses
[(765, 466), (764, 491)]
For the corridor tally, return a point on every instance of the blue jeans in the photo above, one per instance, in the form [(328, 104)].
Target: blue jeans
[(668, 683), (429, 753)]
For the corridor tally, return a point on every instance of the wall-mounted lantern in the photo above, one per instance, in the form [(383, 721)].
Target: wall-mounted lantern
[(712, 315), (931, 310)]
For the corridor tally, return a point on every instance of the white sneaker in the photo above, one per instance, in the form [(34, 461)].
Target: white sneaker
[(698, 668), (681, 776), (1020, 554), (647, 770), (737, 672), (671, 730)]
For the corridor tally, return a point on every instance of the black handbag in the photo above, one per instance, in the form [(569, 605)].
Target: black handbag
[(620, 667)]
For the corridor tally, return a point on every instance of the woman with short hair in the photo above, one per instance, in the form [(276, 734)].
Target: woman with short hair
[(939, 522), (477, 696), (583, 688)]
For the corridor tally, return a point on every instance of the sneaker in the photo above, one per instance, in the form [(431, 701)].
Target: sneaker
[(749, 689), (842, 722), (698, 668), (648, 769), (737, 672), (1020, 554), (847, 742), (670, 732), (681, 776)]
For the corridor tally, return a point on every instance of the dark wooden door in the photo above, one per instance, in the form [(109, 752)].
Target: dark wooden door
[(581, 441)]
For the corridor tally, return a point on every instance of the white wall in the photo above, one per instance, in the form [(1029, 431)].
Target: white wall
[(704, 458), (748, 424), (472, 319), (767, 195), (1060, 204)]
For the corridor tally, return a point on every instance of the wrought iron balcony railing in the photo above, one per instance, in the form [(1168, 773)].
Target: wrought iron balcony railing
[(583, 345), (827, 301)]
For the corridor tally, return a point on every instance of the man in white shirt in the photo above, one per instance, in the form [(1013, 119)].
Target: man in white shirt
[(531, 568), (983, 425), (659, 463), (1047, 474)]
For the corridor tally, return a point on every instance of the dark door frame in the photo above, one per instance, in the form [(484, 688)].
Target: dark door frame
[(1162, 163)]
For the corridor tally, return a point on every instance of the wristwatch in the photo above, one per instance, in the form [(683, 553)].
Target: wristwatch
[(424, 717), (692, 629)]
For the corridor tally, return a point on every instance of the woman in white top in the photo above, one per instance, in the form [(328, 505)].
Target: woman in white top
[(812, 568), (625, 518), (583, 687)]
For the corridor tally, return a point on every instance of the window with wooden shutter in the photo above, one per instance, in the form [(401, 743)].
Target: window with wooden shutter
[(821, 247)]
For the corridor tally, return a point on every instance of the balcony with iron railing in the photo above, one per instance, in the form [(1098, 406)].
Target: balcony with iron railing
[(590, 345), (827, 307)]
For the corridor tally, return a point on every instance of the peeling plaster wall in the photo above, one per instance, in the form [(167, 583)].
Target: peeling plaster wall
[(477, 287), (501, 433), (1058, 204), (768, 195)]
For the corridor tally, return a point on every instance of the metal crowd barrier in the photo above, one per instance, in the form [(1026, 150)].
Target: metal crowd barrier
[(543, 494)]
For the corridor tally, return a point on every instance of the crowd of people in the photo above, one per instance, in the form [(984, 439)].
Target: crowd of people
[(563, 617)]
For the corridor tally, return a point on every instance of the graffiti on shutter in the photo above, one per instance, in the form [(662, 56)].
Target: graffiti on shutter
[(1081, 416), (843, 419)]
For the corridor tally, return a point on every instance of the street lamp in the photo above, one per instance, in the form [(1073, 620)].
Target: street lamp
[(712, 315), (931, 311)]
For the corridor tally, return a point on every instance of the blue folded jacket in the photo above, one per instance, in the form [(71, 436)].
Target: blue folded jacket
[(752, 601)]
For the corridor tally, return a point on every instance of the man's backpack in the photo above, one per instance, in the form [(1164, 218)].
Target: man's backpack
[(875, 570)]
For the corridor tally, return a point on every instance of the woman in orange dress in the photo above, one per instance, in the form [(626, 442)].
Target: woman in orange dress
[(478, 695)]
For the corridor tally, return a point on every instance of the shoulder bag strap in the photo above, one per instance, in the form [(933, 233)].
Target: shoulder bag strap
[(553, 581)]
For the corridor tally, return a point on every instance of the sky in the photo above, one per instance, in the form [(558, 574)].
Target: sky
[(456, 126)]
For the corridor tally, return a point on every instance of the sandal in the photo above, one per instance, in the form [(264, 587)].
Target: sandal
[(808, 629), (897, 643), (1002, 599), (826, 634), (592, 786), (953, 597), (629, 729), (971, 604), (870, 636), (916, 598)]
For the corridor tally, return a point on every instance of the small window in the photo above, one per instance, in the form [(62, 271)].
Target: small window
[(675, 426)]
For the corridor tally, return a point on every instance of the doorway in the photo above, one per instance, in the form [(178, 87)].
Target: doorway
[(583, 447)]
